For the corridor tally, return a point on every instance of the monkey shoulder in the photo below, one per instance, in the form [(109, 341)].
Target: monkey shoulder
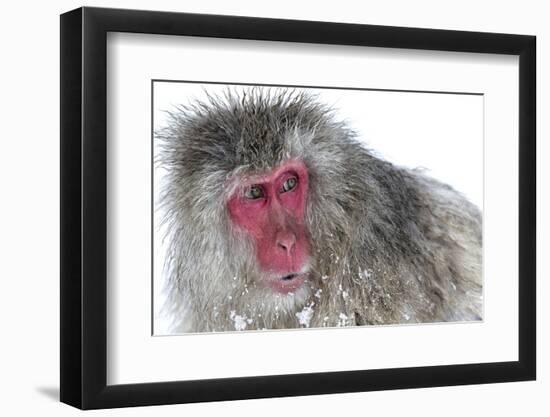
[(441, 276)]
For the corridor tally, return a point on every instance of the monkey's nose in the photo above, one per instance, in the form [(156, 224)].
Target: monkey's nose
[(286, 241)]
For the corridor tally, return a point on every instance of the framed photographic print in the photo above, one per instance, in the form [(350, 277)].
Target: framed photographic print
[(257, 207)]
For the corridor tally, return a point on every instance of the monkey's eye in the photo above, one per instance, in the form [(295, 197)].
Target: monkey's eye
[(254, 192), (290, 184)]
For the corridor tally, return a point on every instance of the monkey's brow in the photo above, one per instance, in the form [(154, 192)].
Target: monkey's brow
[(261, 179)]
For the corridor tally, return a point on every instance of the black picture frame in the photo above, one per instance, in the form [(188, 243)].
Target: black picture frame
[(84, 207)]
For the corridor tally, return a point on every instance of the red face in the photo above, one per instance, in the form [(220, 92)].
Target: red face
[(271, 208)]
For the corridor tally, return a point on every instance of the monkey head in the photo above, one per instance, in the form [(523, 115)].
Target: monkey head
[(257, 201)]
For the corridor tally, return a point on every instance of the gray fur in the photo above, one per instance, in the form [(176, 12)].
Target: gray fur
[(389, 245)]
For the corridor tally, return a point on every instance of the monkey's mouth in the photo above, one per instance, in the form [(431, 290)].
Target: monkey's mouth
[(287, 283), (289, 277)]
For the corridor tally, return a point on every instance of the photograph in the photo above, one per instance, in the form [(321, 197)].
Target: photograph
[(282, 207)]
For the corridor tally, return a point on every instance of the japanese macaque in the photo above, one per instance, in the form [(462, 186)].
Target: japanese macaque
[(278, 217)]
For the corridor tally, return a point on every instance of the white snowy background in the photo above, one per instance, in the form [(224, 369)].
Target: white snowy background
[(441, 133)]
